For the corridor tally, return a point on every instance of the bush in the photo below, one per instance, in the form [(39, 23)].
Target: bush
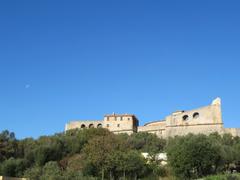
[(223, 177), (33, 173), (13, 167)]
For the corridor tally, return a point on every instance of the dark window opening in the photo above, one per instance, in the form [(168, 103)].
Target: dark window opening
[(83, 126), (99, 126), (185, 118), (91, 126), (195, 115)]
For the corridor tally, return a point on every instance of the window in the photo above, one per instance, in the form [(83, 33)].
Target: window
[(107, 118), (91, 126), (129, 119), (195, 115), (185, 117), (121, 118), (118, 125), (83, 126), (107, 125), (99, 126)]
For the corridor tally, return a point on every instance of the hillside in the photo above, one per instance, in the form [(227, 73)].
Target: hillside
[(100, 154)]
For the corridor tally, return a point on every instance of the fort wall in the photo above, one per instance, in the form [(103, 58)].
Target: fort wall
[(84, 124), (232, 131), (123, 123), (204, 120), (160, 132)]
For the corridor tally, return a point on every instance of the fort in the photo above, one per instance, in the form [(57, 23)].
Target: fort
[(204, 120)]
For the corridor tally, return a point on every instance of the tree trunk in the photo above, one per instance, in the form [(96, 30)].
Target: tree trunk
[(124, 174), (110, 175), (135, 176), (102, 174)]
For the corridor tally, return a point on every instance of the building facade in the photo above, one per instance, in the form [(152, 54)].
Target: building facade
[(117, 123), (204, 120)]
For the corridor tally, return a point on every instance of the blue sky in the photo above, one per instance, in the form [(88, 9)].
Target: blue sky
[(64, 60)]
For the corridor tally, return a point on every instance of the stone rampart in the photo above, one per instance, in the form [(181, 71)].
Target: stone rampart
[(204, 120)]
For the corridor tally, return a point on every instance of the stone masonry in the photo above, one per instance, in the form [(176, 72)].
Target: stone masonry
[(203, 120)]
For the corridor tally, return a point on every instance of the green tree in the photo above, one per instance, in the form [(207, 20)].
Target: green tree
[(34, 172), (135, 164), (96, 153), (13, 167), (8, 145), (48, 149), (75, 139), (192, 156), (146, 142), (51, 171), (26, 149)]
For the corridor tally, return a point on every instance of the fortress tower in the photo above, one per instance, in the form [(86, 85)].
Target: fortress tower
[(121, 123)]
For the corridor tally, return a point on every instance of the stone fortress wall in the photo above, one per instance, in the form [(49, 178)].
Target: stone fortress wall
[(84, 124), (203, 120), (117, 123)]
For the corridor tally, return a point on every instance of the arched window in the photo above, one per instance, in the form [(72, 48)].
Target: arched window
[(91, 126), (195, 115), (99, 126), (185, 117), (83, 126)]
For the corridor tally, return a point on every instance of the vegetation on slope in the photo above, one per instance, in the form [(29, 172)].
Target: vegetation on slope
[(100, 154)]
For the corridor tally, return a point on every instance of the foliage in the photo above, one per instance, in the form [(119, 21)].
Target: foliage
[(34, 172), (99, 154), (8, 145), (223, 177), (192, 156), (13, 167), (147, 142)]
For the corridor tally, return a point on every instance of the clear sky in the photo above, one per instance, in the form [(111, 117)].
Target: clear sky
[(69, 60)]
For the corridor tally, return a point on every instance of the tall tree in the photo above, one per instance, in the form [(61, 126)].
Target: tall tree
[(192, 156)]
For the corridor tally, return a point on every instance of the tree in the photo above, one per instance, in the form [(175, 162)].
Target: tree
[(192, 156), (51, 171), (76, 139), (8, 145), (34, 172), (13, 167), (48, 149), (135, 164), (26, 149), (147, 142), (96, 153)]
